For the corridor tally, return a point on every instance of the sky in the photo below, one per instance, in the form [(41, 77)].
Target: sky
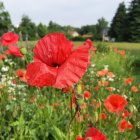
[(64, 12)]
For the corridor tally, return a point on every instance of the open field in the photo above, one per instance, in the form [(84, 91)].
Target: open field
[(133, 48)]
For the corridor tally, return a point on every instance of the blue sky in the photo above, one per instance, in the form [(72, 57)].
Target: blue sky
[(64, 12)]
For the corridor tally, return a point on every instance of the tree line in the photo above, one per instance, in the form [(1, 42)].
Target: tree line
[(125, 26)]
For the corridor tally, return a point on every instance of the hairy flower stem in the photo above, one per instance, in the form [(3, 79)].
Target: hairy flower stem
[(100, 114), (72, 116), (1, 49)]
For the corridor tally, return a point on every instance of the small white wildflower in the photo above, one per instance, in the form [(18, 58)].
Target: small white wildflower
[(125, 96), (113, 89), (92, 65), (104, 79), (91, 72), (4, 69), (106, 67), (110, 79), (6, 60), (118, 90)]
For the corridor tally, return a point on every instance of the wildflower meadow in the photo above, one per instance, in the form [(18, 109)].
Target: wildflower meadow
[(54, 90)]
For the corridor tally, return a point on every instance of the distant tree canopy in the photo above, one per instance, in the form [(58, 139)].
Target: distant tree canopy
[(27, 27), (133, 21), (5, 21), (42, 30), (101, 27), (96, 30), (125, 25), (118, 25)]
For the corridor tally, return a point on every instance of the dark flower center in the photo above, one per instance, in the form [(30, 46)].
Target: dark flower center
[(55, 65)]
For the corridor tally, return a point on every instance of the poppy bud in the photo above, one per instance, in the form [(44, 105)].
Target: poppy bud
[(79, 88), (23, 50), (1, 63)]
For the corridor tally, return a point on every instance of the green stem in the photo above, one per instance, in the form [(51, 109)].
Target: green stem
[(100, 114)]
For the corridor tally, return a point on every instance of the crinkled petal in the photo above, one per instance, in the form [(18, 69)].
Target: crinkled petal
[(53, 49), (39, 74), (9, 38), (14, 51), (74, 68)]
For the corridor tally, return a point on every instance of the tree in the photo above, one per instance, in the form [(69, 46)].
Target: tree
[(87, 29), (101, 27), (133, 32), (42, 30), (54, 27), (5, 21), (27, 27), (118, 26)]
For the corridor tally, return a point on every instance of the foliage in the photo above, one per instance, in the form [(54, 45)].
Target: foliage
[(27, 27), (102, 47), (133, 21), (5, 21), (119, 25), (101, 27), (42, 30)]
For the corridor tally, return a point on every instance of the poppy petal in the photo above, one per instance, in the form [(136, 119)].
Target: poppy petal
[(79, 138), (43, 74), (8, 39), (13, 51), (53, 49), (94, 134), (73, 69)]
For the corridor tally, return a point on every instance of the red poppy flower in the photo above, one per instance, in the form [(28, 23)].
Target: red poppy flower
[(128, 80), (92, 134), (13, 51), (2, 57), (134, 89), (123, 125), (21, 74), (122, 52), (9, 38), (87, 94), (115, 103), (126, 114), (55, 63), (102, 116), (96, 88)]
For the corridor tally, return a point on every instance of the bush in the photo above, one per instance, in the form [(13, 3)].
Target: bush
[(102, 47)]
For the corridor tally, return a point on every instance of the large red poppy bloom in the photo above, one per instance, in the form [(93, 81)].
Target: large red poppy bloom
[(8, 39), (13, 51), (92, 134), (56, 64), (115, 103)]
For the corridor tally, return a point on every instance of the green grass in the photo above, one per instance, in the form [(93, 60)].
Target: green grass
[(132, 49)]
